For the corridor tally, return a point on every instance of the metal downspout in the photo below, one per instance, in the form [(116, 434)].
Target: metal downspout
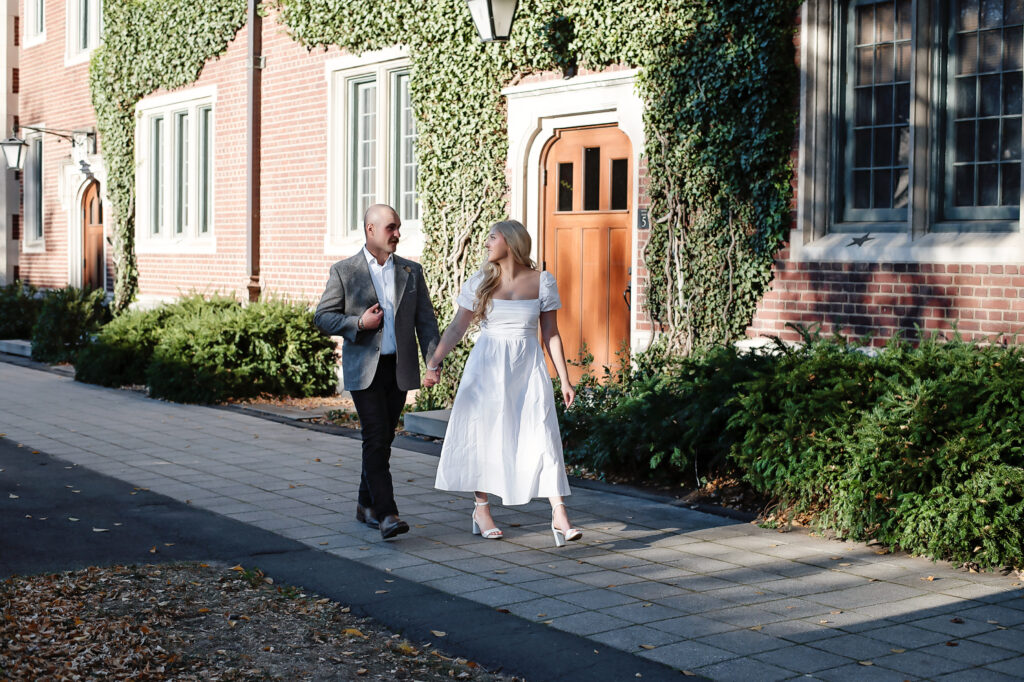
[(253, 119)]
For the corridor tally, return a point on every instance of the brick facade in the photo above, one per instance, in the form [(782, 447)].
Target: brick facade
[(852, 298)]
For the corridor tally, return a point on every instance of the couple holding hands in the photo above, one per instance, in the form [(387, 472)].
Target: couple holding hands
[(502, 436)]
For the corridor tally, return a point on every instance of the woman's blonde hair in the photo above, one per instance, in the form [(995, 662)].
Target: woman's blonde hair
[(519, 244)]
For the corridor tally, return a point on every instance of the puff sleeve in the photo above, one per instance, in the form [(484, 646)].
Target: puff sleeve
[(549, 299), (467, 296)]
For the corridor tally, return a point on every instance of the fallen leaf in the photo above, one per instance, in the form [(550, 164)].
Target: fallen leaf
[(323, 543), (757, 628), (381, 592), (824, 622), (501, 572), (72, 518), (362, 671), (353, 632), (204, 610), (835, 558), (438, 633), (865, 662), (237, 567), (846, 563), (956, 619), (547, 622), (388, 581), (689, 673), (12, 496), (898, 651), (152, 550), (992, 622), (168, 544), (952, 644), (316, 459), (835, 613), (100, 530), (646, 646), (930, 578)]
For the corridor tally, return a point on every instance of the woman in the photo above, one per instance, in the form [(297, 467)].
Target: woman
[(503, 435)]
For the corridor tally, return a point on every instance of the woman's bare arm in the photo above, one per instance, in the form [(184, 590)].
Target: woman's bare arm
[(553, 344)]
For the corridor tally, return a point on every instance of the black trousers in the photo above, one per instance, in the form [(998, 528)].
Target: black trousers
[(379, 406)]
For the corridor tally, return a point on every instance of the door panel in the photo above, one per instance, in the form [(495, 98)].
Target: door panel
[(92, 238), (586, 238)]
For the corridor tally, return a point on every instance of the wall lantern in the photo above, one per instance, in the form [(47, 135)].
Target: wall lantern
[(14, 152), (14, 147), (493, 18)]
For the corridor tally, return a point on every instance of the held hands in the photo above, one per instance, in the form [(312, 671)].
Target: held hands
[(431, 378), (371, 319)]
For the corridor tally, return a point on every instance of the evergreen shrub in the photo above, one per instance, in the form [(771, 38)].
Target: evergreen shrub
[(67, 319), (19, 308), (919, 447), (121, 352), (664, 420), (237, 352)]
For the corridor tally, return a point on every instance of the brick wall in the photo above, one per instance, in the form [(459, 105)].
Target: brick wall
[(58, 96), (980, 301)]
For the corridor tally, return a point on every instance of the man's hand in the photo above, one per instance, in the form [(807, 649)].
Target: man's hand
[(431, 378), (372, 317)]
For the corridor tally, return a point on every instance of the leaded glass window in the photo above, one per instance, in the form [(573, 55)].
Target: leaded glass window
[(877, 112), (983, 109)]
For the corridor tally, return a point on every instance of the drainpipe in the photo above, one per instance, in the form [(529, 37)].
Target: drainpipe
[(255, 63)]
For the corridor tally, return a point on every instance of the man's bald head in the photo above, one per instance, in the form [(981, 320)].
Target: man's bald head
[(379, 214), (381, 226)]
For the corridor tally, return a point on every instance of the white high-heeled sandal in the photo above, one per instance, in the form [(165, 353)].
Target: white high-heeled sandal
[(562, 535), (489, 534)]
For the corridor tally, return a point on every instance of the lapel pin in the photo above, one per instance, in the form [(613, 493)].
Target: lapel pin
[(407, 268)]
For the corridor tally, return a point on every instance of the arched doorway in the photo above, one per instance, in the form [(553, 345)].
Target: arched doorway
[(586, 238), (92, 238)]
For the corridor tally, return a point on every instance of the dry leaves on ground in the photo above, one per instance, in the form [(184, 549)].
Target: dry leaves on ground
[(198, 622)]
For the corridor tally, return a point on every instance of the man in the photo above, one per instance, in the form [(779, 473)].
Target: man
[(379, 303)]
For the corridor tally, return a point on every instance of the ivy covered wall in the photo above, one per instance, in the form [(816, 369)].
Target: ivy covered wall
[(718, 80)]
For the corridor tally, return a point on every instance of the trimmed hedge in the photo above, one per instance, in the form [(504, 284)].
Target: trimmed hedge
[(67, 320), (918, 447), (200, 351), (121, 352), (19, 308)]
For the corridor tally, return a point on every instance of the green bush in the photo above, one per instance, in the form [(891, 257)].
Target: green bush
[(238, 352), (121, 352), (19, 308), (937, 465), (664, 419), (918, 447), (67, 319)]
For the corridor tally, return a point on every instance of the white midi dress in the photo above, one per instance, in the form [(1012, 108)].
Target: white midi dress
[(502, 436)]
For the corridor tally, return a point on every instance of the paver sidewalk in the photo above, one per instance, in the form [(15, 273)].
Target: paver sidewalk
[(702, 593)]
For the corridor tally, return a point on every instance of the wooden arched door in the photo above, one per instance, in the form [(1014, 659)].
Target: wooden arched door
[(92, 238), (587, 209)]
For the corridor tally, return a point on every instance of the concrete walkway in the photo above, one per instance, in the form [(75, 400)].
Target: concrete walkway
[(698, 592)]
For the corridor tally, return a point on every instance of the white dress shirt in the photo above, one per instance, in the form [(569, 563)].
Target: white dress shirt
[(383, 277)]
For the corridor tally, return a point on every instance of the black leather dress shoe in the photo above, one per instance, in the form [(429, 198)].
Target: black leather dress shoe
[(391, 525), (365, 515)]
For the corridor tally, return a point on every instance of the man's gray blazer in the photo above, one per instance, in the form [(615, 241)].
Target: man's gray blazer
[(350, 293)]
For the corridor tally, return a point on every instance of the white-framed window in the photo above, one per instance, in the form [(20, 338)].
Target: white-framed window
[(84, 29), (174, 172), (33, 194), (372, 147), (35, 22)]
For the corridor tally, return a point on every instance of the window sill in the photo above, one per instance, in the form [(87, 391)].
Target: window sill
[(172, 247), (32, 41), (937, 247), (37, 246), (79, 57)]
